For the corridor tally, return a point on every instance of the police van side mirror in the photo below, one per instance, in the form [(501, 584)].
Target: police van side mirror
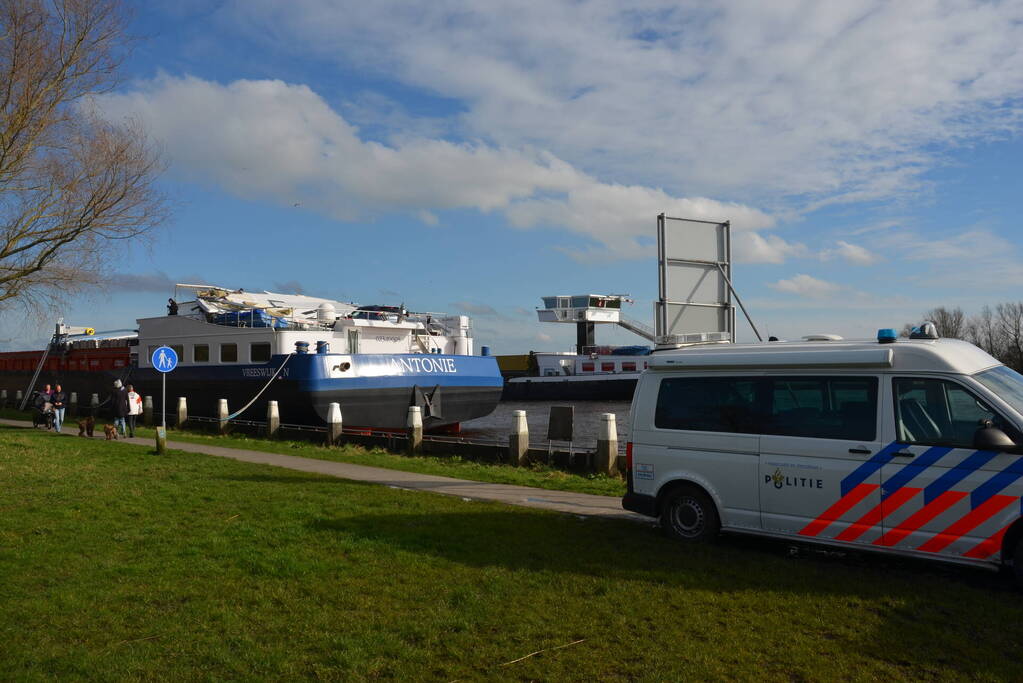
[(989, 438)]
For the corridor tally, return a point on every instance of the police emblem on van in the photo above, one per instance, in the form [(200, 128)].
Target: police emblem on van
[(781, 481)]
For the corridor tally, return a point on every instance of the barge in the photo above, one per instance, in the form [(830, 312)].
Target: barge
[(303, 352)]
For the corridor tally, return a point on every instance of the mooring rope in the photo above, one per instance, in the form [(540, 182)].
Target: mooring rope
[(239, 412)]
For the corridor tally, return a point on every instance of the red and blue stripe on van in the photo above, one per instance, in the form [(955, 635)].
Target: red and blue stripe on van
[(986, 500)]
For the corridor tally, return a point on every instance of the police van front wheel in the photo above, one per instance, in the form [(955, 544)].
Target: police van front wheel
[(688, 514)]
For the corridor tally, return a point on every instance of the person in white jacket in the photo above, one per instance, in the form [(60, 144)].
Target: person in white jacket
[(134, 409)]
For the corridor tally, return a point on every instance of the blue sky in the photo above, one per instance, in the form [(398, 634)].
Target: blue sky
[(472, 158)]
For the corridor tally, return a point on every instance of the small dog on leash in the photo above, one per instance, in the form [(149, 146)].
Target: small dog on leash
[(86, 426), (110, 431)]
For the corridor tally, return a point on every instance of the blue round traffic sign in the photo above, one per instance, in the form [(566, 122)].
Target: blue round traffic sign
[(164, 359)]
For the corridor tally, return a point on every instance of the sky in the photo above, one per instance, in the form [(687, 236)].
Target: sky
[(471, 157)]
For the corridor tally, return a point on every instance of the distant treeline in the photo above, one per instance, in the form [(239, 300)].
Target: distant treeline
[(998, 330)]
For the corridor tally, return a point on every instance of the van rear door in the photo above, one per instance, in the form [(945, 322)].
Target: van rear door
[(821, 452)]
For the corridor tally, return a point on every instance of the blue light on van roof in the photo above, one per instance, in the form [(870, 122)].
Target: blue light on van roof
[(886, 335)]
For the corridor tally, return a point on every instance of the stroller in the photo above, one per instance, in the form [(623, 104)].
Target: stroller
[(42, 411)]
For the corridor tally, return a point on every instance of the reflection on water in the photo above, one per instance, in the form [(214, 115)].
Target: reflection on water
[(499, 423)]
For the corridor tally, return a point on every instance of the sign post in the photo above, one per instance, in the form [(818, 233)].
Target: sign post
[(164, 359)]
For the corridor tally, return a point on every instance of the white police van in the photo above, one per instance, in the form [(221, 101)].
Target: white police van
[(911, 446)]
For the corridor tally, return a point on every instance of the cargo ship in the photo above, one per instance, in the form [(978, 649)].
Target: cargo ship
[(591, 372), (303, 352)]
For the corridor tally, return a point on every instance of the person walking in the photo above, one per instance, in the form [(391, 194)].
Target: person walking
[(59, 400), (134, 409), (45, 405), (119, 407)]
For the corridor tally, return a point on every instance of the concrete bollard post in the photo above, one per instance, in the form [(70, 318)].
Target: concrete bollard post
[(273, 420), (222, 413), (147, 411), (607, 446), (518, 440), (94, 406), (3, 398), (415, 430), (17, 398), (74, 404), (182, 412), (334, 424)]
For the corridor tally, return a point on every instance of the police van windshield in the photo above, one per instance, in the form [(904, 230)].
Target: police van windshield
[(1006, 383)]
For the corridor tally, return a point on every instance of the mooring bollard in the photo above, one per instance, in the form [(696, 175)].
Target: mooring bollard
[(273, 420), (415, 430), (518, 440), (222, 414), (74, 404), (182, 412), (334, 424), (607, 446), (147, 411)]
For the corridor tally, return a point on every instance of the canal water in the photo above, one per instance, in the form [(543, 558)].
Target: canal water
[(586, 414)]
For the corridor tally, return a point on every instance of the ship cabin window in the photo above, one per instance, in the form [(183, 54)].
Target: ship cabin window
[(628, 366), (259, 353), (179, 349), (580, 301), (228, 353), (587, 367), (550, 301), (607, 367), (201, 353), (564, 301)]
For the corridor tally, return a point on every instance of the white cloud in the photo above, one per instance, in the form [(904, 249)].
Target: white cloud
[(828, 101), (279, 142), (750, 247), (807, 286), (976, 259), (853, 253)]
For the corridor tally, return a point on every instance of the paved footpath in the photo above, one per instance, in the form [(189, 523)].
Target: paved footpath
[(524, 496)]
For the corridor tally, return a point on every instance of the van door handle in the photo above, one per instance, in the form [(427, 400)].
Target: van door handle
[(904, 454), (861, 451)]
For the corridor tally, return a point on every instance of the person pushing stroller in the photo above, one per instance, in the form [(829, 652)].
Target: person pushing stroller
[(42, 404)]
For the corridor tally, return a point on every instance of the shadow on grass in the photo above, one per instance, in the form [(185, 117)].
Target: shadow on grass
[(927, 611)]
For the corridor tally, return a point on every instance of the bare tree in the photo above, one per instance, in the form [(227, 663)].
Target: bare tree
[(1009, 321), (982, 331), (951, 322), (71, 184)]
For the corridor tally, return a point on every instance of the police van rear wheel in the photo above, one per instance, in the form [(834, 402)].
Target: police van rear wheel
[(687, 514)]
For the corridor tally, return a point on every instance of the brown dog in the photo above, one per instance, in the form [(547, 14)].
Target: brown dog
[(86, 425), (110, 431)]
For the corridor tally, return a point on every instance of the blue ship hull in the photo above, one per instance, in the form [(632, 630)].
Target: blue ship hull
[(374, 390)]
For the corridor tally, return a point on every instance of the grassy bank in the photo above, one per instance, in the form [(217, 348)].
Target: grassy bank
[(116, 563), (537, 475)]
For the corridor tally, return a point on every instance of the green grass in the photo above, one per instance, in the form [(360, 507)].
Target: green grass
[(115, 563), (537, 475)]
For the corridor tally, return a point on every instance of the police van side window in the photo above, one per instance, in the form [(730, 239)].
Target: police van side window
[(936, 412), (822, 407), (708, 404)]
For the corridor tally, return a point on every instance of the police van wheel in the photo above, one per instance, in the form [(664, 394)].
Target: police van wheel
[(1017, 563), (687, 514)]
